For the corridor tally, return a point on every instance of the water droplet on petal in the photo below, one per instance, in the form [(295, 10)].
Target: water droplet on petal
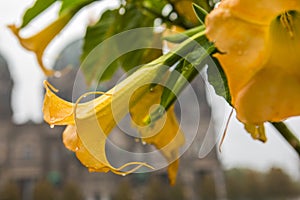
[(123, 174), (52, 125), (57, 74), (76, 149), (144, 143)]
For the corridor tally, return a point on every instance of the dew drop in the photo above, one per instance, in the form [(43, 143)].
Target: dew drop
[(240, 42), (52, 119), (76, 149), (151, 89), (123, 174), (57, 74), (52, 125), (144, 143), (122, 11)]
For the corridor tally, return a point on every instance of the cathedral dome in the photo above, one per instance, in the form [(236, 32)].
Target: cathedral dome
[(6, 85)]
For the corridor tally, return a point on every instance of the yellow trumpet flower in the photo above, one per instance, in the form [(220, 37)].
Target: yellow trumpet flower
[(165, 134), (259, 43), (90, 123), (39, 42)]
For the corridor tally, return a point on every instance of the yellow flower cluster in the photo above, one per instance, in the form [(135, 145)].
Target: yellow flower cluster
[(90, 123)]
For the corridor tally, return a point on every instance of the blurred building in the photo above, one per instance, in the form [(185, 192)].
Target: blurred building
[(32, 152)]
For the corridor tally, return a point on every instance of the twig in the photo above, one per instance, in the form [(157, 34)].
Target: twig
[(288, 135)]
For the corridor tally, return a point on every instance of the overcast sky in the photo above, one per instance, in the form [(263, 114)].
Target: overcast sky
[(238, 149)]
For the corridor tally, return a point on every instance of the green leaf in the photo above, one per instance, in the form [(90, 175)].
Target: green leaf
[(184, 73), (35, 10), (136, 17), (69, 5), (186, 70), (154, 5), (168, 95), (207, 5), (141, 41), (41, 5), (111, 23), (200, 13), (217, 78), (95, 35)]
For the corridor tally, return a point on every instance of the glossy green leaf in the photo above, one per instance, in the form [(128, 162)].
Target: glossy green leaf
[(156, 6), (35, 10), (200, 13), (186, 70), (69, 5), (111, 23), (95, 35), (184, 73), (137, 17), (207, 5), (217, 78)]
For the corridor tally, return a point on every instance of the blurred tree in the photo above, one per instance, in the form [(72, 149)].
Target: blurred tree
[(71, 192), (176, 192), (10, 191), (161, 190), (44, 191), (250, 184), (254, 185), (279, 185), (207, 188), (235, 184), (124, 191)]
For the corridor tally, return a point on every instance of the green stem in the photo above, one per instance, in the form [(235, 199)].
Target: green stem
[(288, 135)]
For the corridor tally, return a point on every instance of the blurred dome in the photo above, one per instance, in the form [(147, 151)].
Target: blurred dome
[(6, 85)]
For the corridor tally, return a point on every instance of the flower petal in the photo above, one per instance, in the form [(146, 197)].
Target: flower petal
[(38, 43), (172, 171), (272, 95), (257, 131), (243, 47), (56, 110), (93, 130), (70, 138), (258, 12), (95, 119), (73, 143), (164, 133)]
